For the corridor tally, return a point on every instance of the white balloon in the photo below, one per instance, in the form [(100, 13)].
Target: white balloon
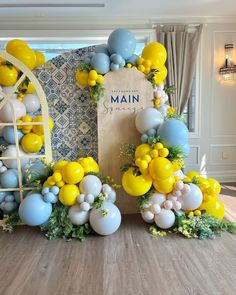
[(180, 174), (6, 115), (31, 102), (80, 198), (112, 197), (8, 89), (179, 185), (1, 128), (165, 219), (77, 216), (90, 184), (147, 119), (85, 206), (156, 209), (164, 109), (157, 198), (177, 206), (11, 152), (192, 199), (106, 188), (168, 205), (147, 216), (89, 198), (108, 223)]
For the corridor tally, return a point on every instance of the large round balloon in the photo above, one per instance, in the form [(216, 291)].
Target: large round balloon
[(192, 199), (8, 90), (160, 168), (6, 115), (34, 211), (105, 220), (155, 52), (148, 119), (68, 194), (165, 219), (9, 135), (174, 133), (77, 216), (72, 172), (101, 63), (90, 184), (122, 42), (31, 102), (11, 152)]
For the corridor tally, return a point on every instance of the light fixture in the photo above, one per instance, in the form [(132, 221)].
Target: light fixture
[(228, 71)]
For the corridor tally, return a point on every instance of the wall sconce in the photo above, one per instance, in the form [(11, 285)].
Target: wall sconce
[(228, 72)]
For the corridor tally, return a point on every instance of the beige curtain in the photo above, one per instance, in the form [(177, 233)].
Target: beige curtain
[(181, 42)]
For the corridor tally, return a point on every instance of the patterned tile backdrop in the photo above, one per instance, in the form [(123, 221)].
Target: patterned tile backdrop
[(75, 118)]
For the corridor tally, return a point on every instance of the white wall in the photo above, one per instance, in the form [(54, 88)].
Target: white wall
[(213, 150)]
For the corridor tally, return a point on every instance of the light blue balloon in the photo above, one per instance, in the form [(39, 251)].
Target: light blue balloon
[(9, 136), (132, 59), (55, 190), (50, 198), (3, 195), (9, 198), (122, 64), (34, 211), (3, 142), (114, 67), (9, 207), (101, 63), (122, 42), (173, 133), (116, 58), (37, 168), (2, 205), (101, 49), (17, 196), (144, 138), (9, 179), (45, 191), (151, 132), (185, 149)]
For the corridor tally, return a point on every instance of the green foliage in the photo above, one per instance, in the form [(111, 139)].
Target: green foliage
[(151, 76), (152, 140), (25, 84), (201, 227), (60, 226), (35, 179), (170, 89), (143, 200), (12, 220), (99, 200), (96, 92), (156, 232), (84, 67), (175, 154), (174, 116), (127, 151)]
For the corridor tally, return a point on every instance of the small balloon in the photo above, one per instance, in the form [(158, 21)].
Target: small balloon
[(31, 102)]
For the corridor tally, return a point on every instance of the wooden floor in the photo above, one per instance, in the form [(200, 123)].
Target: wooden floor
[(130, 262)]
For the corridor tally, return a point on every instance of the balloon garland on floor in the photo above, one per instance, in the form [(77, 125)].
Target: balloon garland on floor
[(186, 203)]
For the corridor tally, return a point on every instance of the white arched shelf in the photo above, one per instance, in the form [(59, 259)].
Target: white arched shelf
[(6, 99)]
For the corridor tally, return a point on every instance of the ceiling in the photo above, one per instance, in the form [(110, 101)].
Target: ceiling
[(116, 8)]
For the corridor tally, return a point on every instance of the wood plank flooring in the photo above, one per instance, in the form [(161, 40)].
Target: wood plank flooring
[(130, 262)]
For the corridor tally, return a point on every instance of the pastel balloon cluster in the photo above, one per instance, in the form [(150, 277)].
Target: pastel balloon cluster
[(9, 201), (160, 96), (210, 189), (112, 56), (104, 220)]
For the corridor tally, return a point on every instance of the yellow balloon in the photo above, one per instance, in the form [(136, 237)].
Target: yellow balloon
[(164, 186), (214, 187), (160, 76), (192, 174), (155, 52), (160, 168), (59, 165), (38, 129), (203, 185), (68, 194), (72, 172), (214, 207), (27, 87), (82, 78), (89, 165), (136, 185), (31, 143), (40, 58), (8, 75), (26, 55), (142, 150), (14, 43)]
